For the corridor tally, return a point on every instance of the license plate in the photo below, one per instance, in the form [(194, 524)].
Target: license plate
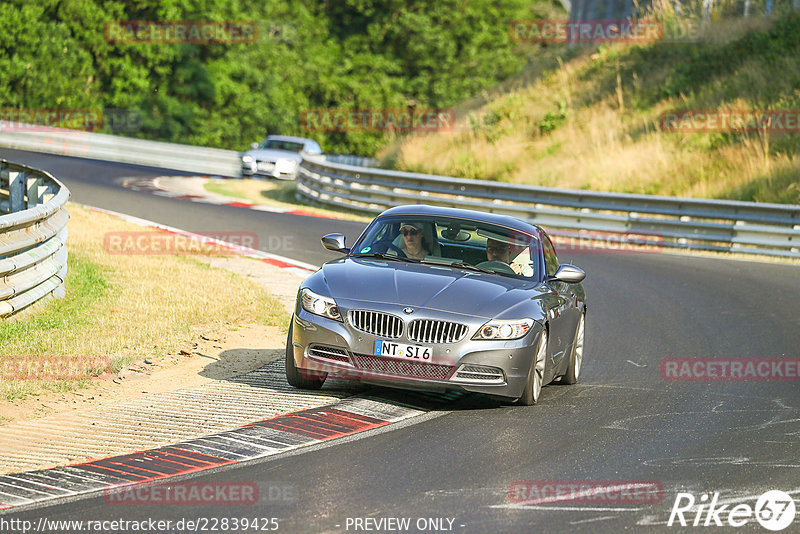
[(266, 166), (401, 350)]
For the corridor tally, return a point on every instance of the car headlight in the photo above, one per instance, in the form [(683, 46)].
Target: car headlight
[(504, 329), (247, 159), (319, 305)]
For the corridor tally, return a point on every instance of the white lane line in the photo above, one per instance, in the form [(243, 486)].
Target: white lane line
[(592, 520), (297, 266)]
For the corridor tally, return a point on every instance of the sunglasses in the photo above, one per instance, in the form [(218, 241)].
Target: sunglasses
[(496, 249), (409, 231)]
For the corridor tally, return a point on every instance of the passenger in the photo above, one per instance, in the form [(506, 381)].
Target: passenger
[(500, 251), (414, 244)]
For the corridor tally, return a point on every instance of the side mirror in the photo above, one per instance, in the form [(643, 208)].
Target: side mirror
[(335, 242), (253, 145), (569, 274)]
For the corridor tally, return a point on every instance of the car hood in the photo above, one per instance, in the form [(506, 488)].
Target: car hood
[(270, 154), (428, 286)]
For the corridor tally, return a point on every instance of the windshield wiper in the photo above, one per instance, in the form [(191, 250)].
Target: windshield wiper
[(380, 256), (461, 265)]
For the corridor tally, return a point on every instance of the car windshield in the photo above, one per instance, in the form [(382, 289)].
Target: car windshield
[(277, 144), (455, 242)]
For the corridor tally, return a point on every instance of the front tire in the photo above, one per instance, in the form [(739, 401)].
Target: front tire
[(300, 378), (576, 358), (533, 387)]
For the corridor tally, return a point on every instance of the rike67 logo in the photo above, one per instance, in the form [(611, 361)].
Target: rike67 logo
[(774, 510)]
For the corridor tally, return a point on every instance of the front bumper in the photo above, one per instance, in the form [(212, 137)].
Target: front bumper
[(323, 344), (269, 169)]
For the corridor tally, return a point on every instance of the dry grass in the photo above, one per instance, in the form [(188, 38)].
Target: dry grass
[(277, 194), (123, 308), (592, 123)]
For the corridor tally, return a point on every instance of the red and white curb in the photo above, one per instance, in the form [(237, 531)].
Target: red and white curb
[(256, 440), (298, 267), (154, 186)]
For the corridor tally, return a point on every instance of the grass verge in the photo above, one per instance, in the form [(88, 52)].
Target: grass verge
[(121, 308)]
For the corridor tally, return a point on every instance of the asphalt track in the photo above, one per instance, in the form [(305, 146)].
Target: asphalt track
[(622, 422)]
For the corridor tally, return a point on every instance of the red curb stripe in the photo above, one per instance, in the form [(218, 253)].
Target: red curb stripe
[(118, 464), (124, 475), (144, 468), (322, 424), (329, 422), (279, 263), (165, 460), (237, 204), (351, 415), (305, 213), (315, 424), (171, 458), (208, 459), (292, 430)]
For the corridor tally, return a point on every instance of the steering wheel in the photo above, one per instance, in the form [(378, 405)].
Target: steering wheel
[(400, 252), (497, 266)]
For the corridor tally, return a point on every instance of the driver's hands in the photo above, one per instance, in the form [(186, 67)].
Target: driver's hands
[(516, 267)]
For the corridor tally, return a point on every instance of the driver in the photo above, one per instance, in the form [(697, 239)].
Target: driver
[(414, 244), (500, 251)]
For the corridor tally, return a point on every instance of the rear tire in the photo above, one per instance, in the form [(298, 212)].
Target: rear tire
[(300, 378), (576, 358), (533, 387)]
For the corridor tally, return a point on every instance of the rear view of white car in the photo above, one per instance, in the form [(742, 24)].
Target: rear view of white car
[(278, 156)]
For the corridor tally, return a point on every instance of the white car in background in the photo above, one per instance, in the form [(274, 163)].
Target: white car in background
[(278, 156)]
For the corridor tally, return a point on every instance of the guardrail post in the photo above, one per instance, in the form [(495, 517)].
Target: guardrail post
[(33, 192), (16, 191)]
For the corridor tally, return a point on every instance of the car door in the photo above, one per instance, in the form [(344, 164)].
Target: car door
[(560, 313)]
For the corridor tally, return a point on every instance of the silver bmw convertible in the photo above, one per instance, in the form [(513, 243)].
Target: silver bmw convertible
[(441, 299)]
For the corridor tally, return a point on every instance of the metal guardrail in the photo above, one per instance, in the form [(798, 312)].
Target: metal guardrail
[(348, 159), (717, 225), (33, 236), (80, 144), (120, 149)]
